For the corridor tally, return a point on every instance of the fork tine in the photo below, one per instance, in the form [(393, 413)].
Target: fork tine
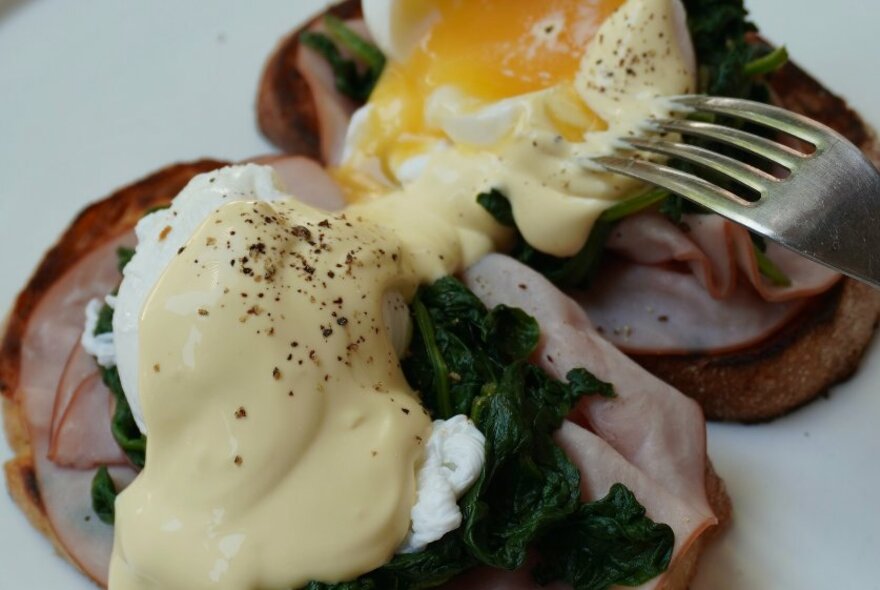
[(743, 173), (760, 146), (687, 185), (763, 114)]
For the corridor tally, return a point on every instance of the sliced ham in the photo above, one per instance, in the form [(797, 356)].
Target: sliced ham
[(714, 248), (694, 288), (306, 180), (807, 278), (78, 368), (52, 333), (649, 437), (83, 439), (647, 309), (651, 239), (333, 108)]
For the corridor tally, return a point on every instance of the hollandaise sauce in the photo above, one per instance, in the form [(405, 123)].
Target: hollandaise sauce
[(284, 439)]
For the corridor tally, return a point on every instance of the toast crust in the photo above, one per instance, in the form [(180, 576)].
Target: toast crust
[(820, 348)]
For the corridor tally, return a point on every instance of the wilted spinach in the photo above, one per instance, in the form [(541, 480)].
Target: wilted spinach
[(104, 496), (528, 491), (352, 79)]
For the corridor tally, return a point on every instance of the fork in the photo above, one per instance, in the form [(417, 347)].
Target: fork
[(827, 208)]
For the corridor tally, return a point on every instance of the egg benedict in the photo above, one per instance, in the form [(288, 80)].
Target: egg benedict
[(321, 404), (292, 298)]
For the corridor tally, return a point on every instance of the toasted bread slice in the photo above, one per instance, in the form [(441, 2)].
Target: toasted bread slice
[(96, 225), (817, 349)]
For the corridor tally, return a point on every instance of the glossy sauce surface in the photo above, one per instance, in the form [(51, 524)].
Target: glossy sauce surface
[(284, 438)]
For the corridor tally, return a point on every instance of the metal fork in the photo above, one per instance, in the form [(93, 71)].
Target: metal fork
[(827, 208)]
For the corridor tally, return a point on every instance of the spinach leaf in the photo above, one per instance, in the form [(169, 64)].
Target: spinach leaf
[(360, 47), (676, 206), (351, 79), (767, 64), (528, 483), (437, 564), (582, 382), (104, 496), (124, 256), (122, 425), (514, 332), (609, 541), (718, 29), (769, 270), (365, 583), (105, 320), (444, 363)]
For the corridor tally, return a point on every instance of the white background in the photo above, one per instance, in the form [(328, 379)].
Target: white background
[(96, 93)]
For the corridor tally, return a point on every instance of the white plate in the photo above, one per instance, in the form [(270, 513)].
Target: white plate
[(96, 94)]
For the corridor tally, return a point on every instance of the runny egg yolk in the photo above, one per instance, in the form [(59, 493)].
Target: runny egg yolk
[(493, 50), (488, 51)]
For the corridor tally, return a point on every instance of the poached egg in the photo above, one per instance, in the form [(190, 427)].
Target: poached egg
[(517, 97)]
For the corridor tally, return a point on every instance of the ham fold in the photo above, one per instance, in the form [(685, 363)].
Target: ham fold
[(83, 439), (694, 287)]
